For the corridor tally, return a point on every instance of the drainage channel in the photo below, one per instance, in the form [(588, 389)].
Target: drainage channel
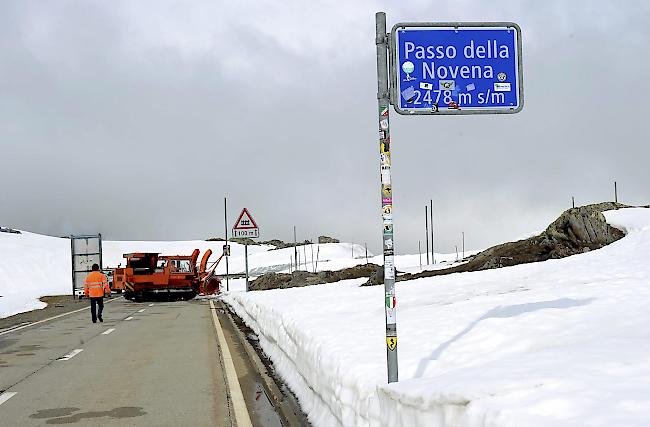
[(262, 410), (269, 402)]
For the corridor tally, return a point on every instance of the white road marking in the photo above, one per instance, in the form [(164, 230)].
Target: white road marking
[(72, 354), (50, 318), (238, 402), (129, 318), (44, 320), (151, 305), (108, 331), (6, 396), (141, 310)]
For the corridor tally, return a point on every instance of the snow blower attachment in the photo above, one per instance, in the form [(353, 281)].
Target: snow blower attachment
[(149, 275)]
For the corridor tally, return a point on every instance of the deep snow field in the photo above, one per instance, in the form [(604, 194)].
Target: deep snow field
[(558, 343)]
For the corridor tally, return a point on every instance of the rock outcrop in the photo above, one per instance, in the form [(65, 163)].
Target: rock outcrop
[(305, 278), (327, 239), (576, 231)]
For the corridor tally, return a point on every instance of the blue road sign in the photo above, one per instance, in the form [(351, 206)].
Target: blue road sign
[(456, 68)]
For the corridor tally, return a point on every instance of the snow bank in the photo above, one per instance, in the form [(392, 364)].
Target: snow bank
[(559, 343), (32, 266)]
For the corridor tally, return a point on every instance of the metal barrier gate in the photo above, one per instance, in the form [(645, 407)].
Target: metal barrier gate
[(86, 250)]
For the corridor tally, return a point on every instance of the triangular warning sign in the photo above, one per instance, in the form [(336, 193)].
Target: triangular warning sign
[(245, 221)]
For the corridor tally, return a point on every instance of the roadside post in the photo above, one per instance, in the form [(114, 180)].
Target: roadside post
[(447, 68), (383, 101), (245, 227), (226, 248), (433, 253)]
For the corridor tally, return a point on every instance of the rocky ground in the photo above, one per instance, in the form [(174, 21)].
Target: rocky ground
[(305, 278), (279, 244)]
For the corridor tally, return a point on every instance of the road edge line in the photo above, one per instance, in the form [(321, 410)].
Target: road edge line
[(242, 416), (70, 355), (50, 318), (6, 396)]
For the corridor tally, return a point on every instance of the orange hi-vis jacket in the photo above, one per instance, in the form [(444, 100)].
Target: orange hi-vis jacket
[(95, 285)]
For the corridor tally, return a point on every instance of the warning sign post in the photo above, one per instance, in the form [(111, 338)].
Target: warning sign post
[(245, 226)]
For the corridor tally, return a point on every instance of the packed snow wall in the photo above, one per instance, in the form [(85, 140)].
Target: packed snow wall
[(559, 343), (31, 266)]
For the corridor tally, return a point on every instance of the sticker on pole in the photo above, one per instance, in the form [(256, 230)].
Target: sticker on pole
[(391, 343), (456, 68), (391, 301), (245, 226)]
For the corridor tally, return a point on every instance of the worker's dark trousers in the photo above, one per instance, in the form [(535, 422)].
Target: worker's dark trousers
[(94, 301)]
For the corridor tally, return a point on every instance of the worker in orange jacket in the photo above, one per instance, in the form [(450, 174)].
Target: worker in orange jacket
[(95, 287)]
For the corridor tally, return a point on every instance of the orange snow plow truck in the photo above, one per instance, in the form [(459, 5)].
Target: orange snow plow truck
[(149, 276)]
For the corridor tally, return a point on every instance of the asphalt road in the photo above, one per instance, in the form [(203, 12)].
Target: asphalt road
[(147, 365)]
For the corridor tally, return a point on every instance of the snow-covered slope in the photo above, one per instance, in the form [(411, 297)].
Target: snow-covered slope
[(559, 343)]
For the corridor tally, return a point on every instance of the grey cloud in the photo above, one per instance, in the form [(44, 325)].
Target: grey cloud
[(135, 119)]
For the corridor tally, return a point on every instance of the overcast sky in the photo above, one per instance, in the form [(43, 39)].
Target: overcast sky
[(135, 119)]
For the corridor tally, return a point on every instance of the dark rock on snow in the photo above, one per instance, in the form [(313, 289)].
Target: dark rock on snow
[(576, 231), (306, 278)]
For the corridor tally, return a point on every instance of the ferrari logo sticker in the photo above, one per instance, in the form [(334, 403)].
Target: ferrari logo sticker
[(391, 343)]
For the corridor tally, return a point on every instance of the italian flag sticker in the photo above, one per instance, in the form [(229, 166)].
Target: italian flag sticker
[(391, 301)]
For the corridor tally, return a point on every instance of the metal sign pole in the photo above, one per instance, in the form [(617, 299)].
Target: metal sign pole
[(463, 245), (426, 229), (225, 229), (246, 262), (73, 278), (433, 254), (366, 246), (101, 262), (383, 101), (295, 248)]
